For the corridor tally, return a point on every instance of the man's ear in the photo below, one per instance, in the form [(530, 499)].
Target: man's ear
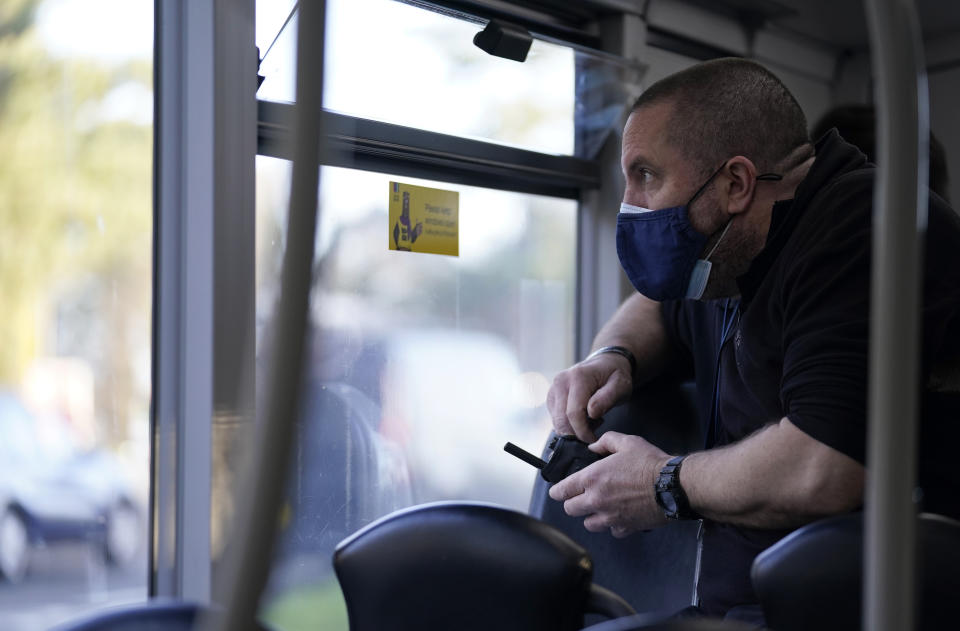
[(740, 181)]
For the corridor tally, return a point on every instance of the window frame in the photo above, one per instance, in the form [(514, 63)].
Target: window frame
[(387, 148), (203, 274)]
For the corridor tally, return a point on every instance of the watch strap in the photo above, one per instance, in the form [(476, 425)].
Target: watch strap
[(670, 494)]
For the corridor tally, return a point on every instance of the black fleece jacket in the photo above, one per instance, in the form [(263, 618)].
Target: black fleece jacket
[(798, 346)]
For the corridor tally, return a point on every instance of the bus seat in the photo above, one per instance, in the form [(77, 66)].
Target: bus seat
[(658, 622), (467, 566), (155, 615), (812, 579), (655, 570)]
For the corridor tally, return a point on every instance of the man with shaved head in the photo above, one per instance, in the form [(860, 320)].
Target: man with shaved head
[(749, 247)]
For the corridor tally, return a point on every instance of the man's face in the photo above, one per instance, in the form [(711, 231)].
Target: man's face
[(657, 175)]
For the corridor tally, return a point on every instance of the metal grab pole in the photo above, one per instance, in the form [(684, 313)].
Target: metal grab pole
[(899, 227), (250, 552)]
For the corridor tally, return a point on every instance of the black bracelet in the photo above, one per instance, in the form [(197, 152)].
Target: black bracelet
[(619, 350)]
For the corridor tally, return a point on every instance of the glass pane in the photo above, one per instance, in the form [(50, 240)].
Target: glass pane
[(397, 63), (76, 108), (421, 366)]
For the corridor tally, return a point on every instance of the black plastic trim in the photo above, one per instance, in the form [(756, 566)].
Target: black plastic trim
[(563, 26), (383, 147)]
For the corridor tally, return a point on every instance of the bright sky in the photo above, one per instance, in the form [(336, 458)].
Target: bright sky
[(78, 28), (397, 63), (106, 30), (420, 69)]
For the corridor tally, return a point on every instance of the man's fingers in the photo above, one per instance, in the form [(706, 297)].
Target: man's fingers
[(620, 533), (563, 490), (561, 425), (577, 412), (557, 405), (586, 391), (606, 397), (597, 523), (579, 505), (608, 443)]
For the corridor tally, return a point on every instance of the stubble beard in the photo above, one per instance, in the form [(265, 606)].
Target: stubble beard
[(731, 260)]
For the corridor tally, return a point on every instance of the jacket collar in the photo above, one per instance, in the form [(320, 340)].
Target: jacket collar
[(834, 157)]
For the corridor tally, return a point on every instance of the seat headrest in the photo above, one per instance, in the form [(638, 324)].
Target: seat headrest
[(464, 566), (813, 578)]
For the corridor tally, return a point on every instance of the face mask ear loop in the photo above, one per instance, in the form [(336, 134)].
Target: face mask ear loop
[(705, 184), (773, 177), (714, 248)]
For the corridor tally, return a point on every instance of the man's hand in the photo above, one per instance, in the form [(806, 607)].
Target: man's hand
[(587, 391), (616, 493)]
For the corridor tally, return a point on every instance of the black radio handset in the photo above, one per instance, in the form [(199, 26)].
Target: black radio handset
[(568, 455)]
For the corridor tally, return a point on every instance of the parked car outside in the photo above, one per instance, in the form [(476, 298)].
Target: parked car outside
[(53, 492)]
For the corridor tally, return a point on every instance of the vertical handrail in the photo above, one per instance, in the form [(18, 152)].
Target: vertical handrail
[(250, 552), (899, 227)]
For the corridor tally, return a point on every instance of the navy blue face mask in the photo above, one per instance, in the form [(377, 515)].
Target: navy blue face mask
[(660, 251)]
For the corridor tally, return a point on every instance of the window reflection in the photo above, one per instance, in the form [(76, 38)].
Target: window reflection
[(420, 366)]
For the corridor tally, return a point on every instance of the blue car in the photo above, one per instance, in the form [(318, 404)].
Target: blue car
[(59, 495)]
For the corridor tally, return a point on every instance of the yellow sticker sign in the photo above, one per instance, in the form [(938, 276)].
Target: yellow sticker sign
[(424, 219)]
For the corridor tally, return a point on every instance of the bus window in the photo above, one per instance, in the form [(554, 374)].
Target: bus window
[(76, 105), (420, 366), (420, 69)]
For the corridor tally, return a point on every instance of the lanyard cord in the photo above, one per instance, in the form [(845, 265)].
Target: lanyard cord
[(726, 324)]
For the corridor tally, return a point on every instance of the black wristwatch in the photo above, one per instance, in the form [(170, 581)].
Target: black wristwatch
[(670, 495)]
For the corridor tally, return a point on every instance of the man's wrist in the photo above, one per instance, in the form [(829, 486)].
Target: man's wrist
[(618, 350)]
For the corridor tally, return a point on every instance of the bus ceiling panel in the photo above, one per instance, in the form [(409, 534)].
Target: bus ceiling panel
[(557, 21), (584, 11), (943, 52), (747, 28), (564, 14), (840, 23), (384, 147), (573, 27), (778, 50), (636, 7), (783, 49), (575, 22), (711, 29), (752, 13)]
